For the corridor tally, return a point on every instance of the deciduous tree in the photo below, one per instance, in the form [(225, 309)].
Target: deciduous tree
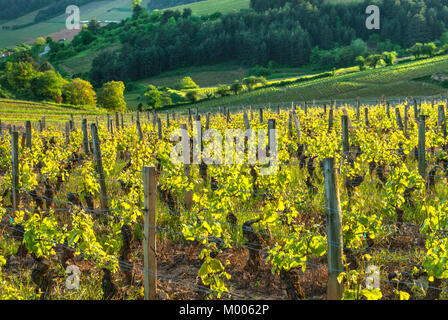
[(111, 96), (79, 92)]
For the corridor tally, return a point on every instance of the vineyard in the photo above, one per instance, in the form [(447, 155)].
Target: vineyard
[(354, 209), (348, 83)]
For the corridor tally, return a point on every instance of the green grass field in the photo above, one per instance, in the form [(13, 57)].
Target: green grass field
[(399, 80), (204, 76), (114, 10), (212, 6), (17, 112), (208, 77), (406, 79), (100, 10), (82, 62)]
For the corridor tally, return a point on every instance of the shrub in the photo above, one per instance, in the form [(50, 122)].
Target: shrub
[(260, 71), (187, 83)]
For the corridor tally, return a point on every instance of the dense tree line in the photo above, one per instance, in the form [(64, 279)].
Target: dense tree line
[(289, 33), (160, 41), (403, 22), (27, 78)]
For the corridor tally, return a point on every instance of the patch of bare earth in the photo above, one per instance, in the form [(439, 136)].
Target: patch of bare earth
[(179, 264)]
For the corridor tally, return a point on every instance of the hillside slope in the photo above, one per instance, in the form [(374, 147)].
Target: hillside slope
[(105, 10), (110, 10), (406, 79)]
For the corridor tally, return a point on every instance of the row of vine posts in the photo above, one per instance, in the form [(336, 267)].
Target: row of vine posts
[(332, 200)]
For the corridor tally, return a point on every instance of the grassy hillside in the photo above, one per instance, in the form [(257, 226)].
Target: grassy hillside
[(16, 112), (114, 10), (204, 76), (82, 62), (212, 6), (210, 77), (406, 79)]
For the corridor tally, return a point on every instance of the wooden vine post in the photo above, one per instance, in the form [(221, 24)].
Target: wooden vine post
[(334, 230), (159, 129), (112, 127), (442, 120), (290, 124), (416, 111), (28, 134), (154, 119), (421, 146), (345, 141), (200, 148), (108, 122), (246, 127), (139, 131), (271, 134), (261, 115), (357, 109), (99, 168), (398, 118), (190, 120), (366, 114), (23, 140), (297, 125), (186, 153), (207, 121), (15, 169), (72, 122), (67, 132), (330, 120), (406, 119), (150, 222), (85, 139)]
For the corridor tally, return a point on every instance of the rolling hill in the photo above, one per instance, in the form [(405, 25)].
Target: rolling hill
[(410, 78), (106, 10), (110, 10)]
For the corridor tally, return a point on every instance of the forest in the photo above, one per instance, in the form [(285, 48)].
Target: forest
[(284, 33)]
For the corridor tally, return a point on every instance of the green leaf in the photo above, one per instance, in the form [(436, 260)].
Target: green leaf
[(404, 295), (215, 265), (374, 294)]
